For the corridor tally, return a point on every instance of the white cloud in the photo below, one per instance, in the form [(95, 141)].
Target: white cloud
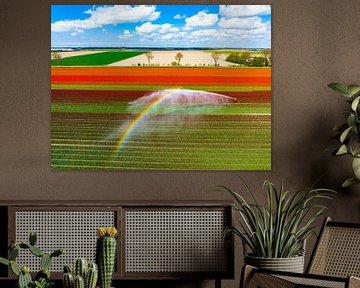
[(166, 28), (127, 34), (244, 10), (242, 23), (101, 16), (148, 27), (77, 31), (204, 33), (201, 19), (179, 16), (172, 36), (169, 36)]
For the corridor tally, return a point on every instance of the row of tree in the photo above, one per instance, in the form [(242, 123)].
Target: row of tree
[(246, 59), (178, 57), (215, 55)]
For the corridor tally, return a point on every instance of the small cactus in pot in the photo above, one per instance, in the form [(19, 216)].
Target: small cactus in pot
[(106, 254)]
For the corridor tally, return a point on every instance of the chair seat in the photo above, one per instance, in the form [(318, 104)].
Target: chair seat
[(268, 279), (315, 282)]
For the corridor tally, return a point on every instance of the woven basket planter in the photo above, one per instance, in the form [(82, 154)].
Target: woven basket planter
[(291, 264)]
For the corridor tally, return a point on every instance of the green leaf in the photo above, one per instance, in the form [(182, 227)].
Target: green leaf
[(345, 134), (351, 120), (36, 251), (353, 89), (355, 103), (14, 268), (342, 150), (13, 253), (340, 88), (356, 167), (4, 261), (354, 145), (349, 182)]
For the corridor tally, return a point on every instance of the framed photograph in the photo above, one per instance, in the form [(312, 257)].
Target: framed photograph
[(161, 87)]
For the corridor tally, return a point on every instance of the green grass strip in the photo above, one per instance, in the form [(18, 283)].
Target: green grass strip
[(96, 59), (233, 109)]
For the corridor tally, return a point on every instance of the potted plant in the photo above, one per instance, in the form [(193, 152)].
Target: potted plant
[(276, 233), (349, 131), (42, 278)]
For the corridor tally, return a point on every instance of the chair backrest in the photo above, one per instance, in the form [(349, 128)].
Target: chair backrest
[(337, 251)]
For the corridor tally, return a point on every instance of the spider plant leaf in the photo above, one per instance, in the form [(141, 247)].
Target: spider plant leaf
[(249, 191)]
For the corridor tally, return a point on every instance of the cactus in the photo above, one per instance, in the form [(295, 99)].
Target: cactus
[(32, 239), (36, 251), (89, 272), (67, 269), (45, 261), (24, 278), (91, 276), (80, 267), (4, 261), (68, 280), (79, 282), (13, 253), (14, 268), (57, 252), (105, 255)]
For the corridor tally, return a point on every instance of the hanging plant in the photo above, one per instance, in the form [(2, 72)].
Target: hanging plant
[(348, 132)]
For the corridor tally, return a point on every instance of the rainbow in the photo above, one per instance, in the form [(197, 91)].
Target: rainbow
[(120, 143)]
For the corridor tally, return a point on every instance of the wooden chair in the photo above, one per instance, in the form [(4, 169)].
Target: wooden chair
[(335, 262)]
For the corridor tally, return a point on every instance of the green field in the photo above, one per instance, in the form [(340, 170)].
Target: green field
[(96, 59), (195, 142)]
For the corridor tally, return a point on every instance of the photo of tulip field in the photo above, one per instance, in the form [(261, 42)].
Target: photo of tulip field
[(161, 105)]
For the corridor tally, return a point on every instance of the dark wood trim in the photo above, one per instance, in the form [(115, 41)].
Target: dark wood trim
[(11, 235), (175, 276), (343, 224), (114, 203)]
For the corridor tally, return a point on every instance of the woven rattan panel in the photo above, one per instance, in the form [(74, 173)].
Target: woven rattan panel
[(338, 253), (175, 241), (75, 231), (311, 282)]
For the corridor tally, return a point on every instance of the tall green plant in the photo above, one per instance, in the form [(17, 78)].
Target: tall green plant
[(279, 229), (349, 131)]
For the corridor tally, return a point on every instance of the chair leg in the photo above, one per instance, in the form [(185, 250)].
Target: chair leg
[(217, 283), (246, 274)]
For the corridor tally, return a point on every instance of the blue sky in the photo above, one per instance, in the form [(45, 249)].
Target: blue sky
[(212, 26)]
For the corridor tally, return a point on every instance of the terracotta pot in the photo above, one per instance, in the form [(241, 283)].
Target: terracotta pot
[(291, 264)]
